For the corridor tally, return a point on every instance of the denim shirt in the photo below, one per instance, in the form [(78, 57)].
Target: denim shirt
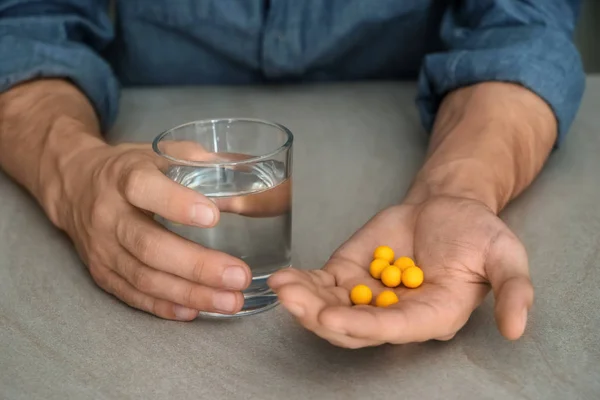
[(445, 44)]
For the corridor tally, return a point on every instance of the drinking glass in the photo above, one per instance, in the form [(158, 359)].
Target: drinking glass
[(245, 167)]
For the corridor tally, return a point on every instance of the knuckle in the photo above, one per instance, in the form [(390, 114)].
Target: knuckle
[(97, 273), (189, 296), (133, 184), (149, 304), (101, 213), (144, 245), (118, 289), (199, 269), (125, 230), (94, 252), (141, 280), (323, 278), (197, 298)]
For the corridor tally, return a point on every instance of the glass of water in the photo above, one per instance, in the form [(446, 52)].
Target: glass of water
[(244, 166)]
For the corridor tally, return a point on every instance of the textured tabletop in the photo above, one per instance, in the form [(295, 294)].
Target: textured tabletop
[(63, 338)]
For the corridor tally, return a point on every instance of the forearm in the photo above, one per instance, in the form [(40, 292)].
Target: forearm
[(42, 124), (488, 143)]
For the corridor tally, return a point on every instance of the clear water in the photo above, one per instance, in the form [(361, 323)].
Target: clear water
[(255, 223)]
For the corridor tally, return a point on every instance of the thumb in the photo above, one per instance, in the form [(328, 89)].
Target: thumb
[(508, 272)]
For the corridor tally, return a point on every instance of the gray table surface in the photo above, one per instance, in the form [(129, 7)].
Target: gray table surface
[(63, 338)]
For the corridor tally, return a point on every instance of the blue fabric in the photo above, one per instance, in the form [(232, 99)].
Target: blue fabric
[(446, 44)]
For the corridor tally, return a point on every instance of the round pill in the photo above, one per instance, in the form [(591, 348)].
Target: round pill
[(386, 298), (385, 253), (361, 294), (391, 276), (404, 262), (412, 277), (378, 265)]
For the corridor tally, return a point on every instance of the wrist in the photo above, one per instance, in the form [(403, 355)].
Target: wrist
[(465, 178), (42, 124), (489, 142), (63, 159)]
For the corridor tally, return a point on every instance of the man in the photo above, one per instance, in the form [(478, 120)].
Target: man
[(500, 82)]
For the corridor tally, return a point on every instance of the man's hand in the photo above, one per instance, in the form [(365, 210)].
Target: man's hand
[(489, 142), (105, 196), (109, 194), (462, 247)]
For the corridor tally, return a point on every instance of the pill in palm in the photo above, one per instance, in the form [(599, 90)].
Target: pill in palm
[(377, 266), (412, 277), (404, 262), (386, 298), (361, 295), (391, 276), (385, 253)]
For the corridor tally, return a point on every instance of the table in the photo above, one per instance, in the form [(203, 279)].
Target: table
[(63, 338)]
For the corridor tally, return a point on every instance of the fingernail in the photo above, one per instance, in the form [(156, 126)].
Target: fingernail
[(224, 301), (202, 215), (234, 278), (183, 313), (295, 309), (524, 317)]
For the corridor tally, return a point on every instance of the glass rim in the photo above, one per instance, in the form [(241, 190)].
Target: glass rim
[(286, 145)]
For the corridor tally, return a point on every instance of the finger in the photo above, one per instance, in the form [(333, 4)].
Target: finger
[(346, 271), (347, 274), (165, 251), (291, 275), (186, 150), (189, 151), (118, 287), (264, 204), (147, 188), (317, 281), (268, 203), (507, 269), (306, 306), (416, 318), (169, 287)]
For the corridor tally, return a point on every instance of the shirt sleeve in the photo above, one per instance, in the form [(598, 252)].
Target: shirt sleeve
[(528, 42), (60, 39)]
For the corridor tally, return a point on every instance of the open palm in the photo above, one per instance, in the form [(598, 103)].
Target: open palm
[(463, 249)]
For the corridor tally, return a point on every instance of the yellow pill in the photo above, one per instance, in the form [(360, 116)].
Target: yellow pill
[(361, 294), (412, 277), (378, 265), (404, 262), (385, 253), (386, 298), (391, 276)]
